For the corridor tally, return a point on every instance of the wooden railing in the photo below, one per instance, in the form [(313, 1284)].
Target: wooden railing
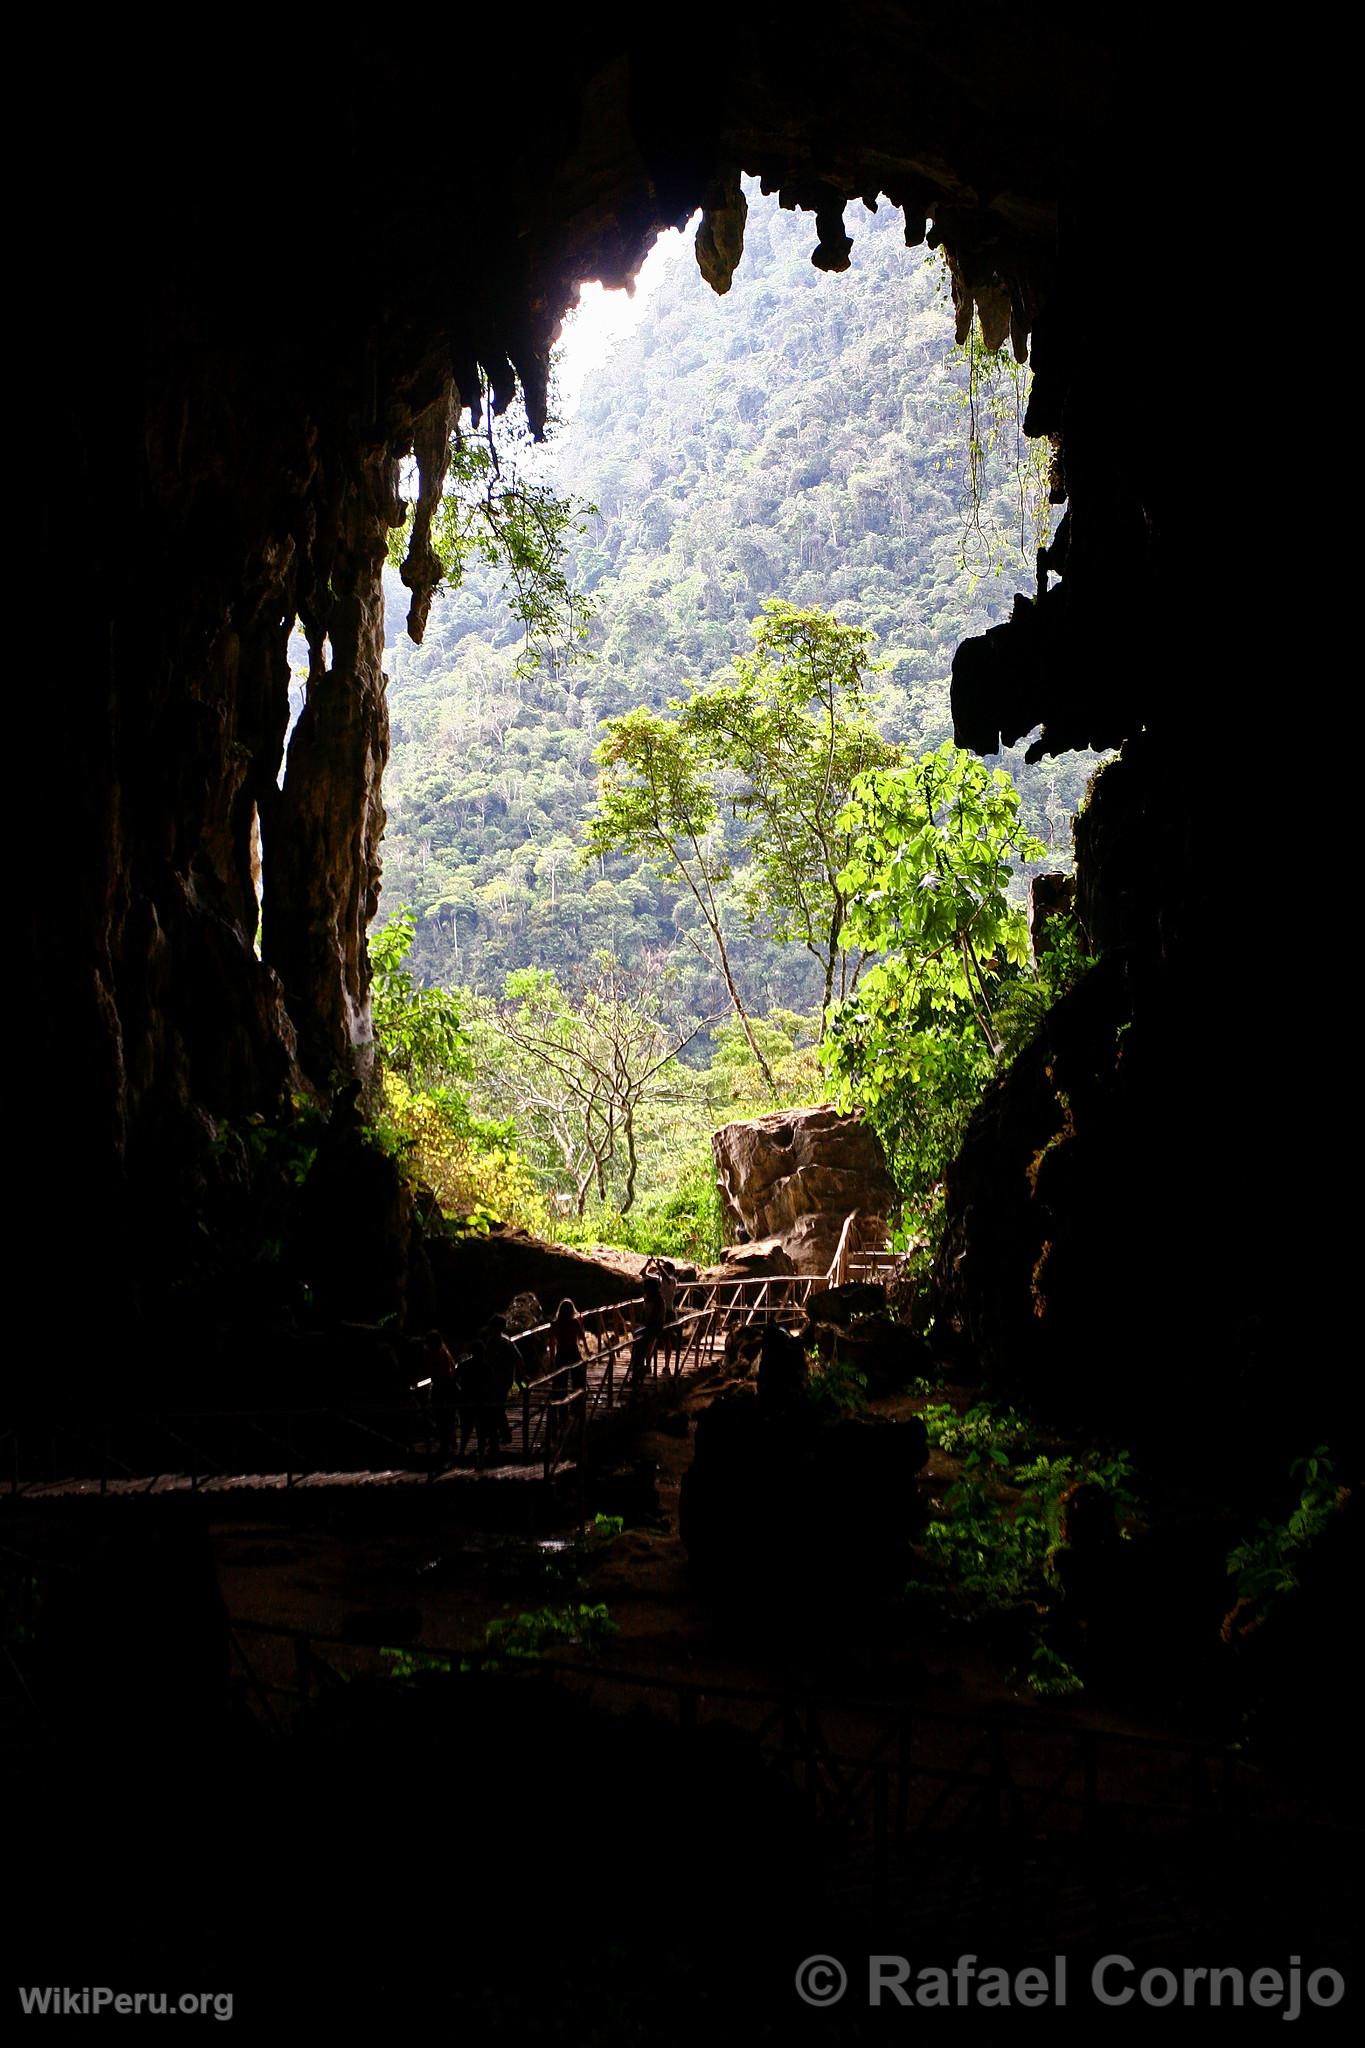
[(880, 1268), (550, 1411), (761, 1298), (854, 1262), (557, 1407), (838, 1271)]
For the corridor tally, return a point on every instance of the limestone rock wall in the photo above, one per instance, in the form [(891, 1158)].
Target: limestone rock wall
[(258, 285)]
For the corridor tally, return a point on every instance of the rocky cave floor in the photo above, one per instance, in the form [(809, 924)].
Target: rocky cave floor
[(436, 1587), (390, 1568), (412, 1579)]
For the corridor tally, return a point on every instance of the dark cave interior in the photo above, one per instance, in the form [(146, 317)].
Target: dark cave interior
[(266, 278)]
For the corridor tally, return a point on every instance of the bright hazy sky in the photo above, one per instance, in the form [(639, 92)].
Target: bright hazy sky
[(603, 318)]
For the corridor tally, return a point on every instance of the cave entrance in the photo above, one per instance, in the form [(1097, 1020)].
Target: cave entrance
[(808, 435)]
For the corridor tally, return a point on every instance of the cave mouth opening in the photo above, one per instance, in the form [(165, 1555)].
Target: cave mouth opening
[(899, 489), (237, 471), (254, 465)]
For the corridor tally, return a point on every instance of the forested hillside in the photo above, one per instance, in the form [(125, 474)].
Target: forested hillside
[(804, 437)]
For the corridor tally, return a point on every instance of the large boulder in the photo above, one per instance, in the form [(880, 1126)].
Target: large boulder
[(478, 1277), (796, 1175), (766, 1260)]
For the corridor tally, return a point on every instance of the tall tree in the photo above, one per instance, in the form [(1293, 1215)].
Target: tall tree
[(656, 797), (795, 727)]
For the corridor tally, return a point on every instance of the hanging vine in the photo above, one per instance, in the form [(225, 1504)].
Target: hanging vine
[(994, 394)]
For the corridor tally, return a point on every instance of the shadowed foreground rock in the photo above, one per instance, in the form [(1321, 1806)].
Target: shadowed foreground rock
[(853, 1325), (782, 1506)]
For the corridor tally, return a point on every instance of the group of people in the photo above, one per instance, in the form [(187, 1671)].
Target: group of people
[(471, 1396)]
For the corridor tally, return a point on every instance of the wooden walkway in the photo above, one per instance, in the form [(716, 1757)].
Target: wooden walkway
[(402, 1443)]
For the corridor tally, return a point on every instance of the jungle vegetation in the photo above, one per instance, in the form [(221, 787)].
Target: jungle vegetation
[(676, 830)]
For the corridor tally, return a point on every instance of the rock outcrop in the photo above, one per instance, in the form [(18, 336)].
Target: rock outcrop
[(853, 1326), (477, 1277), (789, 1181)]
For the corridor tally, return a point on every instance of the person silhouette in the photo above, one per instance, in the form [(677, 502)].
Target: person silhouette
[(650, 1329), (566, 1345)]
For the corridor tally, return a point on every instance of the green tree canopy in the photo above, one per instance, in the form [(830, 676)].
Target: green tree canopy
[(795, 727), (656, 797), (935, 848), (780, 742), (418, 1032)]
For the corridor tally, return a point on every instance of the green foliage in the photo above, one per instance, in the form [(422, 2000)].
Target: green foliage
[(934, 847), (735, 1086), (471, 1163), (684, 1223), (584, 1072), (1050, 1676), (581, 1625), (791, 731), (780, 743), (836, 1387), (417, 1031), (1266, 1568), (1001, 1516), (656, 799), (983, 1427), (987, 1547), (801, 436), (404, 1662), (280, 1153), (523, 1637), (994, 396), (493, 513), (1025, 1000), (563, 1567)]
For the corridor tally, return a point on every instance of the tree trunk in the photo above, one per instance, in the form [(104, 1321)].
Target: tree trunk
[(631, 1162), (743, 1015), (828, 997)]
